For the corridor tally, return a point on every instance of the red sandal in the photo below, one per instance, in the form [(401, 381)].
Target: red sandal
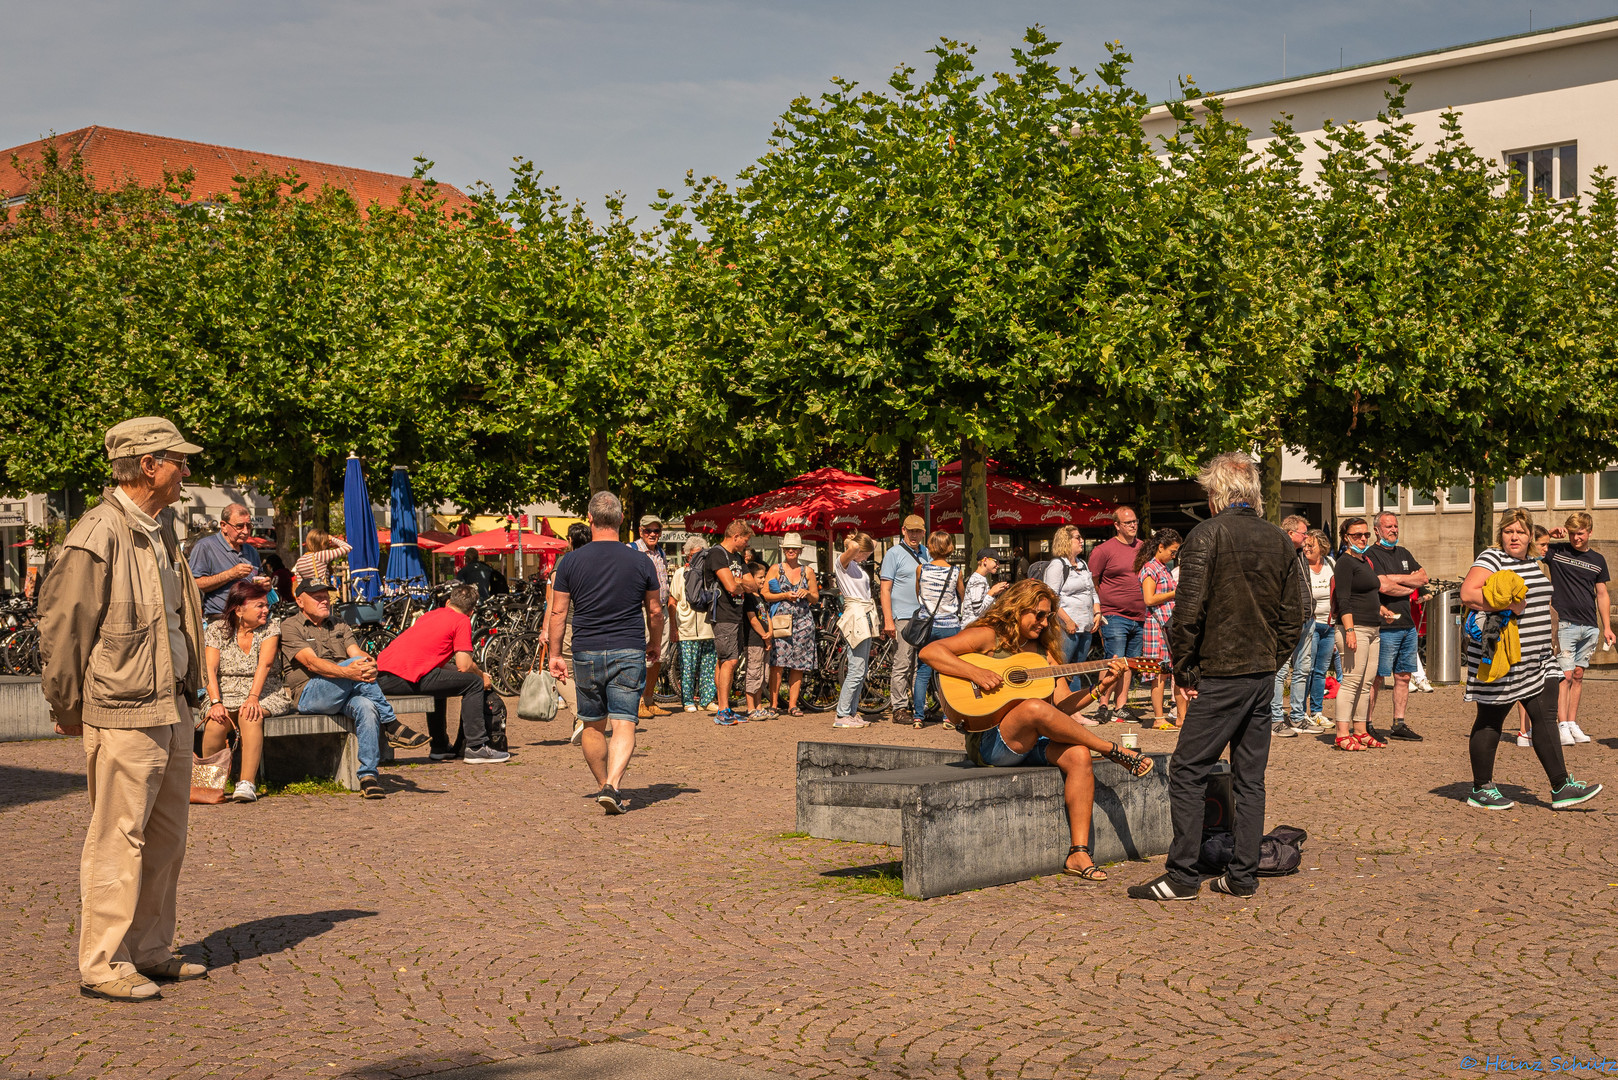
[(1348, 742), (1370, 742)]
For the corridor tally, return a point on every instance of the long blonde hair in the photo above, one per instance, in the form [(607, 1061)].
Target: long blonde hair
[(1004, 617)]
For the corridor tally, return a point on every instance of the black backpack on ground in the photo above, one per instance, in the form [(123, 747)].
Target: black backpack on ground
[(1279, 854)]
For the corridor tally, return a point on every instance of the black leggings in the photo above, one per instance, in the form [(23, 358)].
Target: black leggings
[(1547, 736)]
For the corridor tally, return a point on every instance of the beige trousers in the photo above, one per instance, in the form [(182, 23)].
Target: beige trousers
[(140, 802), (1359, 671)]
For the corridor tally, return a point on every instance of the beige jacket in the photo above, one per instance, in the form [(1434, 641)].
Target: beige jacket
[(103, 634)]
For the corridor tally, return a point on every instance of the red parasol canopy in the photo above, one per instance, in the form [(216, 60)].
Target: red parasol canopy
[(427, 541), (806, 503), (1013, 504), (502, 541)]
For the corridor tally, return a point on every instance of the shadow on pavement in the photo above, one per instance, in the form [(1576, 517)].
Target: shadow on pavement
[(261, 937), (20, 785), (653, 793), (394, 784), (616, 1060), (1462, 788)]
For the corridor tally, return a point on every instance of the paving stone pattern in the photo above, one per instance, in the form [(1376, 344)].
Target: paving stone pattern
[(488, 914)]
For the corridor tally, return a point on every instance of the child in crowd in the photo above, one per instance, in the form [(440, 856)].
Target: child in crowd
[(756, 639)]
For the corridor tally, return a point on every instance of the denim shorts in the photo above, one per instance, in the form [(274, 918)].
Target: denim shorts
[(1578, 645), (1398, 652), (994, 751), (609, 684), (1122, 636)]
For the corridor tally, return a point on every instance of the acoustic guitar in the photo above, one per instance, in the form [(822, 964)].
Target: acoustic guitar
[(1026, 675)]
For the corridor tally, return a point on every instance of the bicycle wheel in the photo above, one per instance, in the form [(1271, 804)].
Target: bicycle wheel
[(520, 657), (667, 691), (874, 695), (824, 685), (494, 660)]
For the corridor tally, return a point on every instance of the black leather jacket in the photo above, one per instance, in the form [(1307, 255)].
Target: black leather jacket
[(1241, 601)]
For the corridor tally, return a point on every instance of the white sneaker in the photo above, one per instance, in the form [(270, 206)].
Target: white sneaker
[(1323, 722), (1421, 686), (1562, 727), (578, 732), (1524, 740), (245, 792), (690, 708), (850, 721), (1578, 732)]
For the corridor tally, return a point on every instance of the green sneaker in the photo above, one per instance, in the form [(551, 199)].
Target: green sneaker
[(1489, 798), (1572, 793)]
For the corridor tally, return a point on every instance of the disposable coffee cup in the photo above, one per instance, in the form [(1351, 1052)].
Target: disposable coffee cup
[(1131, 740)]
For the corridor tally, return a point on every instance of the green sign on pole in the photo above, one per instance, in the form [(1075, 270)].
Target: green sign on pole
[(924, 476)]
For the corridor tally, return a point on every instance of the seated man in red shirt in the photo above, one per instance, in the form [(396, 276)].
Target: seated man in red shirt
[(418, 662)]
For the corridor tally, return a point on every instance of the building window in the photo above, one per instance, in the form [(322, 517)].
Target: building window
[(1388, 497), (1458, 497), (1422, 501), (1570, 490), (1531, 490), (1607, 485), (1354, 496), (1502, 495), (1550, 172)]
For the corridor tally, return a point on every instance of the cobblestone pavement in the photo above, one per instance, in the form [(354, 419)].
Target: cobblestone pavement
[(485, 914)]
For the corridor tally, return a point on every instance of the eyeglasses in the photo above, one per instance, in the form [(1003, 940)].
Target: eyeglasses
[(1359, 536), (1041, 616)]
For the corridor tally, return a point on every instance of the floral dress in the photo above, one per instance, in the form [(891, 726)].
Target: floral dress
[(796, 653), (237, 669), (1156, 646)]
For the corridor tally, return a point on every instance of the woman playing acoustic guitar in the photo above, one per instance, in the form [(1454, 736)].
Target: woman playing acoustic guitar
[(1035, 731)]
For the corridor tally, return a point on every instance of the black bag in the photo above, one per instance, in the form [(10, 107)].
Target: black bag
[(918, 631), (700, 596), (1279, 853), (1037, 571), (494, 719)]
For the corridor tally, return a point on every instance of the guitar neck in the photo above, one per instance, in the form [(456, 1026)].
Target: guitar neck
[(1062, 670)]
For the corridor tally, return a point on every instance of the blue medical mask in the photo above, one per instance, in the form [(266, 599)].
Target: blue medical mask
[(1357, 549), (1387, 543)]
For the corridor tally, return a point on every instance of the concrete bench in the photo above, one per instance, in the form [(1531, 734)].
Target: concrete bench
[(298, 745), (962, 827)]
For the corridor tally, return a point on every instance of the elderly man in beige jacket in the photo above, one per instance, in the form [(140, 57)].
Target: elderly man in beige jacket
[(120, 634)]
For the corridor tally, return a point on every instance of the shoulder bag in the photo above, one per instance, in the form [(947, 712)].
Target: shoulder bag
[(918, 630)]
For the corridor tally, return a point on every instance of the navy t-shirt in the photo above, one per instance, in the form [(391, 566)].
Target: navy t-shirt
[(1575, 575), (606, 585)]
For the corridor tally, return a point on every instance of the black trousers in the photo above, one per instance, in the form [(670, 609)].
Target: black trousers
[(445, 683), (1485, 739), (1233, 712)]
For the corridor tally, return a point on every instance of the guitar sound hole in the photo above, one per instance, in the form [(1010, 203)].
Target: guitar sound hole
[(1017, 677)]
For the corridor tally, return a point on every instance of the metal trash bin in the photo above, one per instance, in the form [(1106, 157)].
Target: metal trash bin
[(1444, 615)]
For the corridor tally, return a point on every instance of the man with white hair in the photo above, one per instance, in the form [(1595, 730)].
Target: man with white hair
[(1238, 611), (219, 560)]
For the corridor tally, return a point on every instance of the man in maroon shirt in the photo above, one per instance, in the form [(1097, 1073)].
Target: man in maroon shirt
[(418, 662), (1123, 605)]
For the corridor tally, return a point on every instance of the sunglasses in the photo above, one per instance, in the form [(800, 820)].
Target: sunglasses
[(1041, 616)]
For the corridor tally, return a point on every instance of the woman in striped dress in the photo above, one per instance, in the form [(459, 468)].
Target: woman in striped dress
[(1533, 680)]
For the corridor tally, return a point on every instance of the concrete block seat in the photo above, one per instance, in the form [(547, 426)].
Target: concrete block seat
[(963, 827), (297, 745)]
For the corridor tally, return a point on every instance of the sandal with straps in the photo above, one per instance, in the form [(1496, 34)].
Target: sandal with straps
[(1136, 762), (1088, 875), (1368, 741), (1348, 742)]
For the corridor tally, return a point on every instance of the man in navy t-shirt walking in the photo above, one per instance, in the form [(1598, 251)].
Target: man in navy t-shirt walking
[(606, 586)]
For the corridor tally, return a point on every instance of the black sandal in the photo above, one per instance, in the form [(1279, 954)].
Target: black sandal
[(1136, 762), (1089, 875)]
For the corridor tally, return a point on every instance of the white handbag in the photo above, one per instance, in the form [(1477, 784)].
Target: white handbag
[(539, 696)]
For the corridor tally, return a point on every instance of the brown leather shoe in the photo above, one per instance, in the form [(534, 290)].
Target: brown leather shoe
[(128, 988), (175, 969), (644, 713)]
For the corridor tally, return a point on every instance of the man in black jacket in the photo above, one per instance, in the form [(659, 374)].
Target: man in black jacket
[(1238, 612)]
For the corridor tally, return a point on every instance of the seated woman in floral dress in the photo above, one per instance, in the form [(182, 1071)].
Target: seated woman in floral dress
[(242, 660)]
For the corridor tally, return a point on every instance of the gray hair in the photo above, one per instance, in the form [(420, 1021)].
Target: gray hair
[(1230, 479), (1294, 521), (230, 511), (126, 470), (605, 511), (463, 598), (694, 544), (1386, 514)]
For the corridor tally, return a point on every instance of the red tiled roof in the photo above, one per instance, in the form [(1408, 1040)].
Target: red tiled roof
[(112, 156)]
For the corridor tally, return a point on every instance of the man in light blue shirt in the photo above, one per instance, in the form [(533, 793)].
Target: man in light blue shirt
[(899, 603), (219, 560)]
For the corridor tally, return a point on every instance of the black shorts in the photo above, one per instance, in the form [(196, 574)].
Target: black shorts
[(727, 641)]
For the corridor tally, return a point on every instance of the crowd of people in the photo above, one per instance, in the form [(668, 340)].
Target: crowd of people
[(1237, 612)]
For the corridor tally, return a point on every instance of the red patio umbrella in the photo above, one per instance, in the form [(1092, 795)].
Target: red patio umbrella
[(1013, 504), (503, 542), (426, 541), (806, 503)]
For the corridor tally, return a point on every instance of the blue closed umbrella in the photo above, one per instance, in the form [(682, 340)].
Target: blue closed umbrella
[(404, 557), (365, 579)]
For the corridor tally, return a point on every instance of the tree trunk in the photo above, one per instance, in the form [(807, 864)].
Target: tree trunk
[(1328, 512), (1142, 482), (600, 448), (974, 496), (1270, 474), (286, 530), (626, 495), (320, 513), (1482, 515), (907, 497)]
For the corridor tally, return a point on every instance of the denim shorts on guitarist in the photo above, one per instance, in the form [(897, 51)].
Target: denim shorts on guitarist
[(994, 751)]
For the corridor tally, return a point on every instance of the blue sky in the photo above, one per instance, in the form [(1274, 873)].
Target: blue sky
[(622, 94)]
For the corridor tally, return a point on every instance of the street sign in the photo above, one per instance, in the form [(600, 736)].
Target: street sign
[(924, 476)]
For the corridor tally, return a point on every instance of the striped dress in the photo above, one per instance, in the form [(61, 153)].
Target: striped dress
[(1538, 666)]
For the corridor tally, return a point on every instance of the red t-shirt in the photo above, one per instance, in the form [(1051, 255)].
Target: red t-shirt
[(1112, 564), (430, 641)]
